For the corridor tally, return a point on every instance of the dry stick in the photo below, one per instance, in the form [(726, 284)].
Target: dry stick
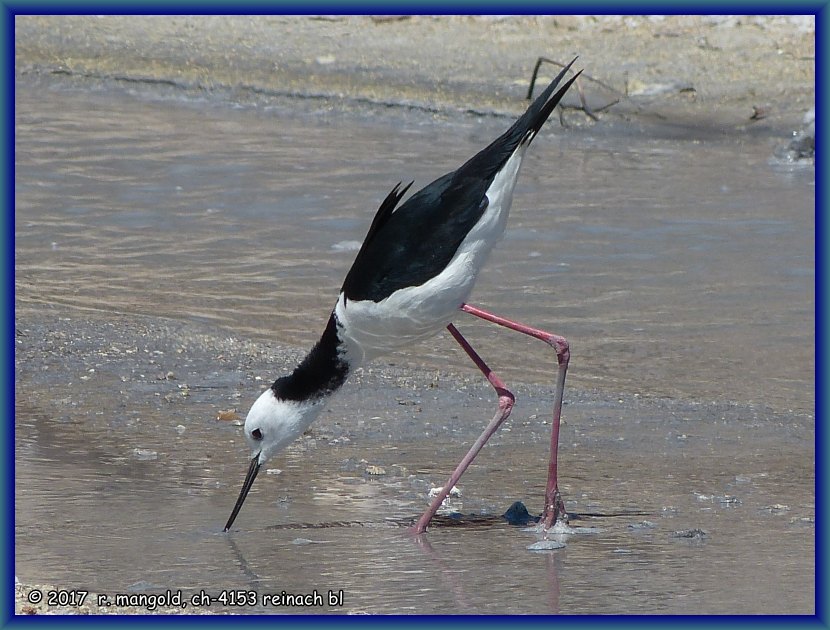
[(579, 88), (608, 106), (584, 103), (562, 65)]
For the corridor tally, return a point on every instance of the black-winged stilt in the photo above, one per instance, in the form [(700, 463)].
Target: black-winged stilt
[(411, 277)]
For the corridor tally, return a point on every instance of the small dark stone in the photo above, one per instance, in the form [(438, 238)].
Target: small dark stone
[(517, 514), (695, 534)]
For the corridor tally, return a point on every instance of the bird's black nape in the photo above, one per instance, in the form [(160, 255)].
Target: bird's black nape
[(322, 372)]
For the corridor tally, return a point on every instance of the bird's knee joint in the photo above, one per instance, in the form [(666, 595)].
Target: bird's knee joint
[(560, 345), (562, 348), (506, 400)]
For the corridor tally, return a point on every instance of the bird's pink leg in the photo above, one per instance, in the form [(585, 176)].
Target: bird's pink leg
[(506, 399), (554, 506)]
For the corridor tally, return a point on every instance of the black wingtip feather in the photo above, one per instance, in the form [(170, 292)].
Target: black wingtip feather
[(385, 210)]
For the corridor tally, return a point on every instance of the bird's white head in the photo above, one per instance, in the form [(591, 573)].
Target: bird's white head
[(272, 424)]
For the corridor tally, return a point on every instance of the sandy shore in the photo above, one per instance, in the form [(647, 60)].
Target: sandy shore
[(726, 74)]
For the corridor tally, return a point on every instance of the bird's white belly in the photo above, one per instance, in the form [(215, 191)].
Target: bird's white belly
[(371, 329)]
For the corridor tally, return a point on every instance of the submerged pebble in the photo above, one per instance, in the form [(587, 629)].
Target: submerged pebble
[(584, 530), (801, 147), (346, 246), (693, 534), (145, 454), (453, 494), (776, 508), (546, 545), (642, 525), (562, 529), (749, 477)]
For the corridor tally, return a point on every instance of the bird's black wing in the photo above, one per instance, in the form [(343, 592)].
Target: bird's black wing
[(408, 246)]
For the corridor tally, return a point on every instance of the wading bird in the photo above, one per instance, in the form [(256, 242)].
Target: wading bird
[(410, 279)]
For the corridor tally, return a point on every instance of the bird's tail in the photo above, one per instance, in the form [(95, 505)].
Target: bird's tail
[(522, 132), (532, 120)]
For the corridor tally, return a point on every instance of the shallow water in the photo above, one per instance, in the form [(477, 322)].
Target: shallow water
[(675, 268), (93, 514), (678, 269)]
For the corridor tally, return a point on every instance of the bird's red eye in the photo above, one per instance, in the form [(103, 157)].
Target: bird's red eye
[(256, 434)]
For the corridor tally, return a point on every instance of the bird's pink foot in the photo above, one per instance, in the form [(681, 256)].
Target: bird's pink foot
[(554, 511)]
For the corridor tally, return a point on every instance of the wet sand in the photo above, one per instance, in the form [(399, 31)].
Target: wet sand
[(691, 492)]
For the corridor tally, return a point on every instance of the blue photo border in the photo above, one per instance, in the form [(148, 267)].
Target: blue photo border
[(8, 11)]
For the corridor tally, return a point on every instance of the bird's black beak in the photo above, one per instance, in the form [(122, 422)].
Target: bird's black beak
[(246, 487)]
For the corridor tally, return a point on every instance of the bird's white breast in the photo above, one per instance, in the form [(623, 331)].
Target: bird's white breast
[(370, 328)]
